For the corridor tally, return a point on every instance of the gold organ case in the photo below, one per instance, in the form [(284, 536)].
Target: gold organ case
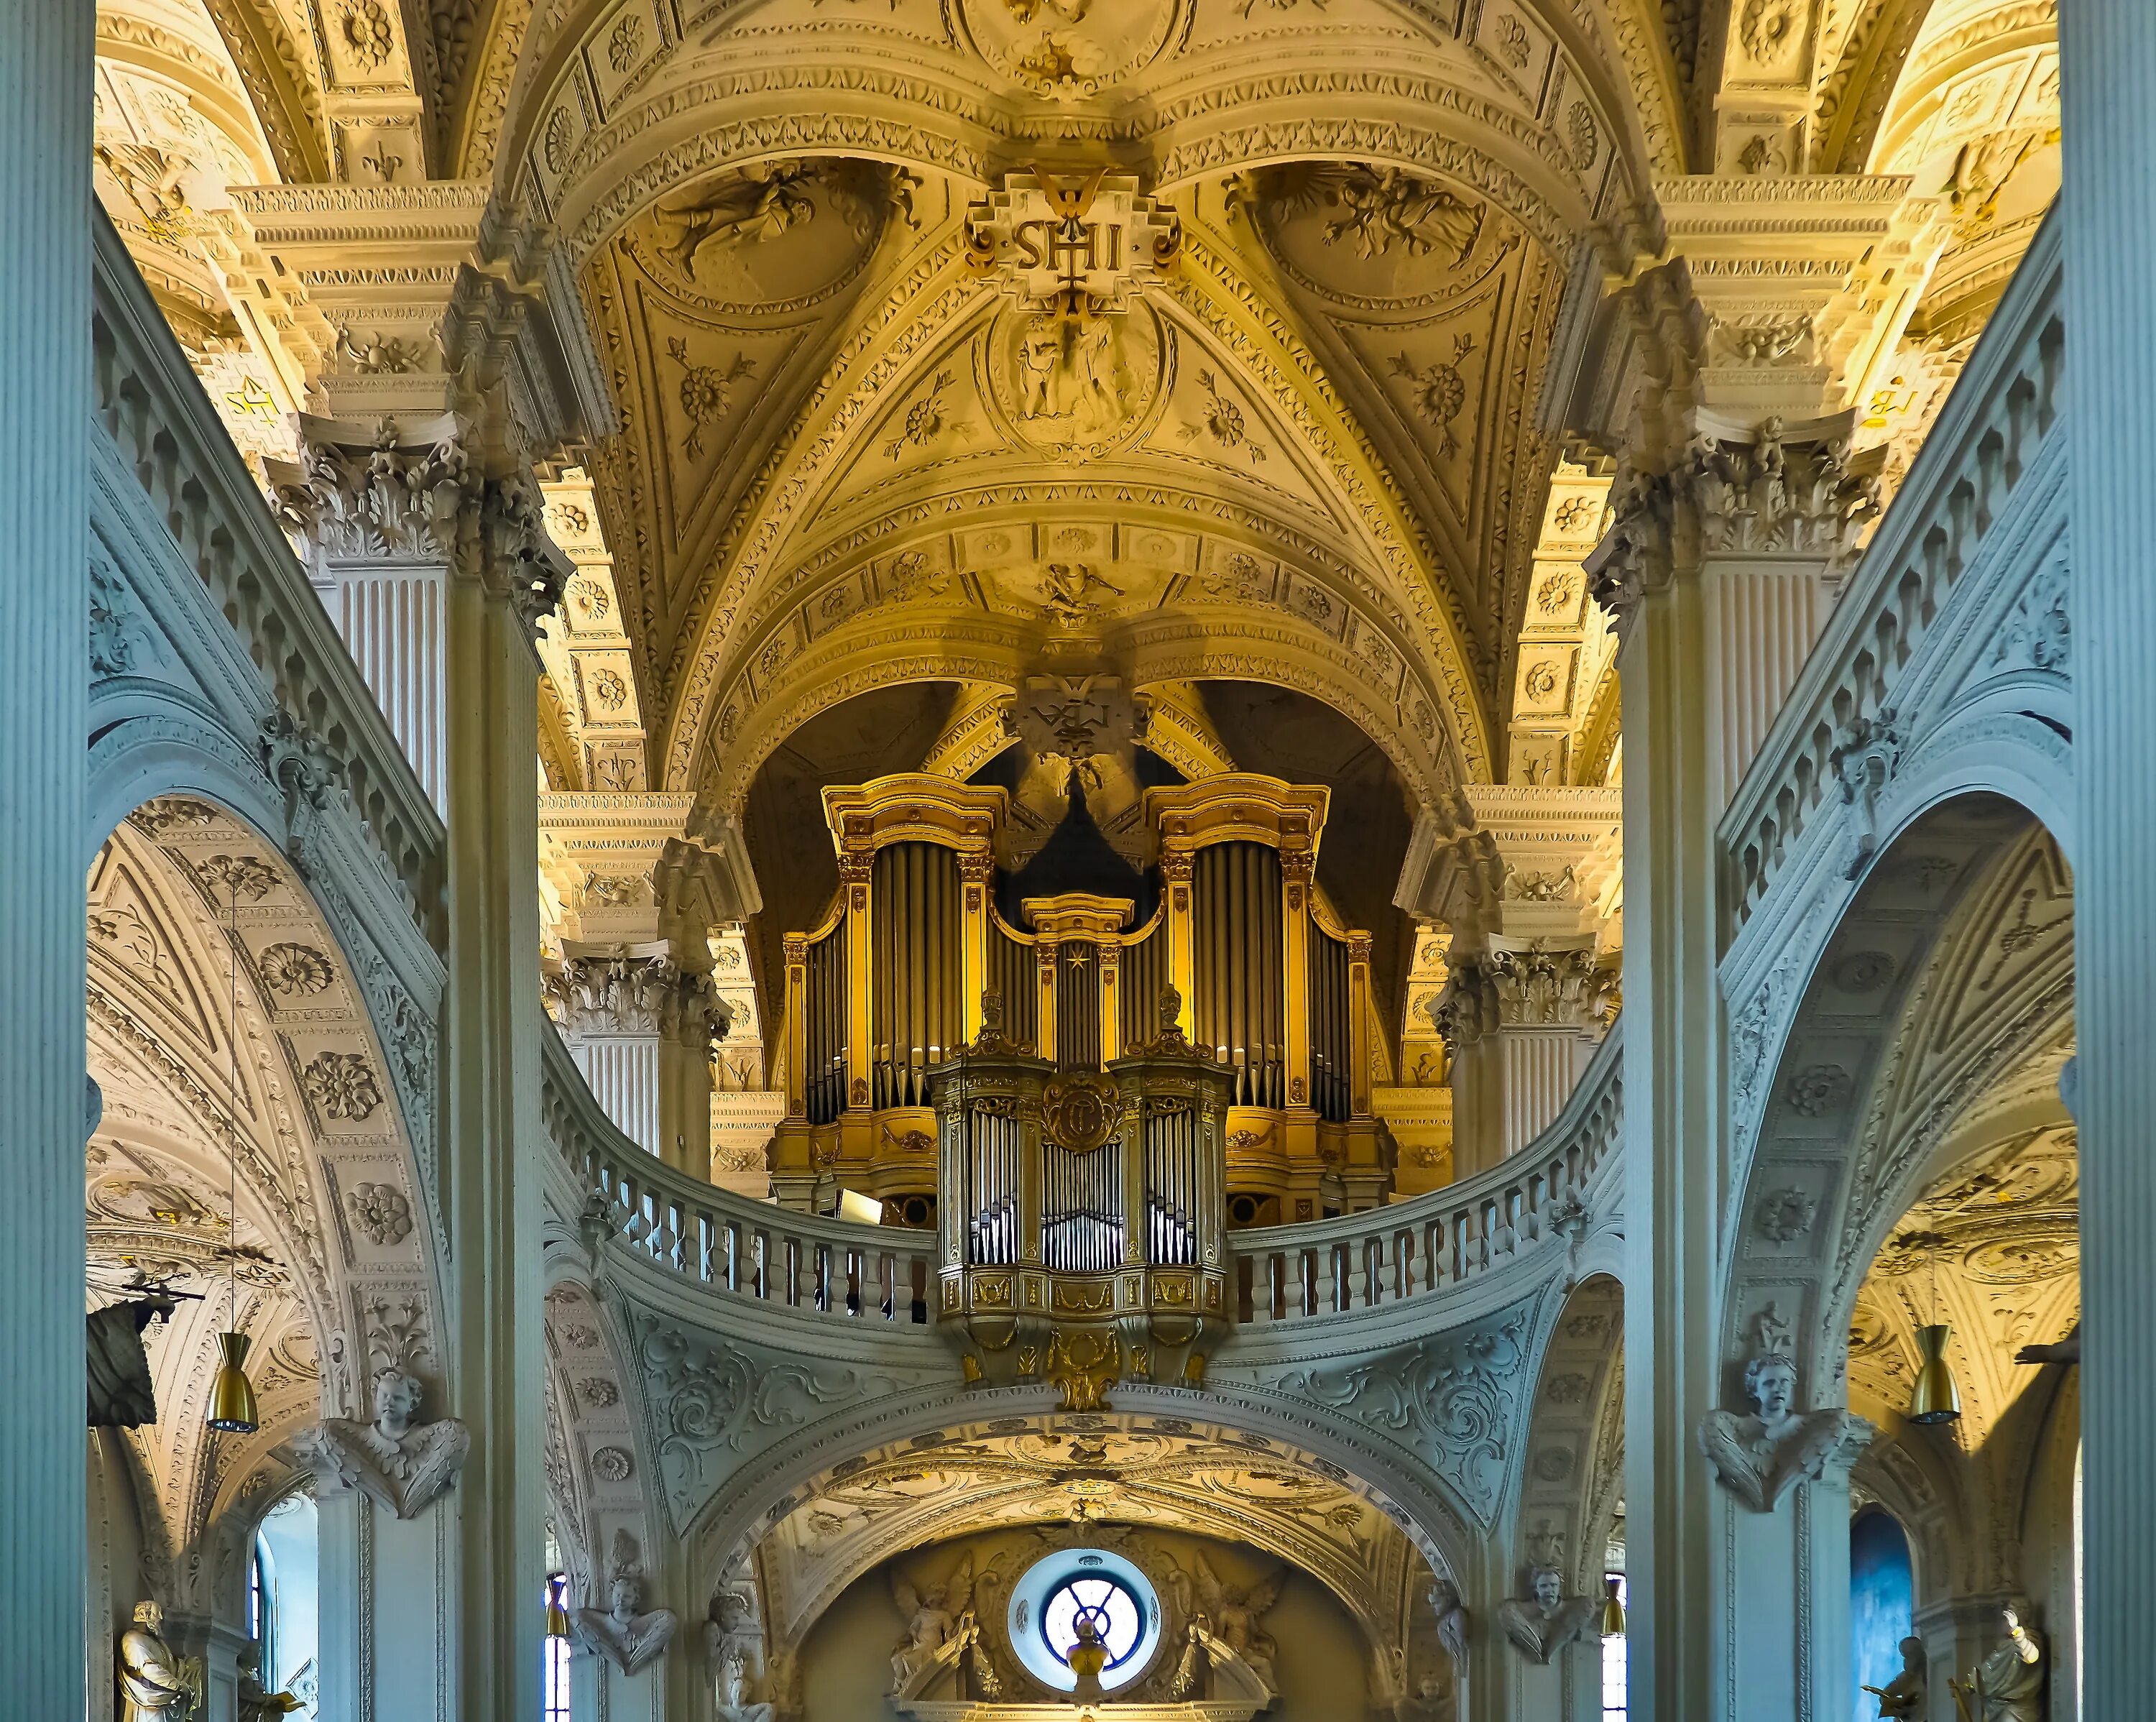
[(1084, 1095)]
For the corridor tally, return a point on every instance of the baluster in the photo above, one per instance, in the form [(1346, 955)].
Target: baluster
[(766, 1262)]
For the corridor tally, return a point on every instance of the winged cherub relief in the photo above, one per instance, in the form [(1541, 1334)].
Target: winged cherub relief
[(1761, 1455), (626, 1633), (1380, 208), (1543, 1622), (395, 1459), (932, 1613), (1232, 1612)]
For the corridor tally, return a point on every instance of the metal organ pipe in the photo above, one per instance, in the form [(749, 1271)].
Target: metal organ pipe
[(914, 934), (1237, 966)]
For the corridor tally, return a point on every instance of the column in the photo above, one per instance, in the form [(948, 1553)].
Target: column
[(1527, 880), (1735, 514), (2108, 54), (416, 434), (644, 882), (493, 1135), (45, 58)]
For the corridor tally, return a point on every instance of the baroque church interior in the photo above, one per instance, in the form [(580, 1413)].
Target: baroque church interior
[(1166, 860)]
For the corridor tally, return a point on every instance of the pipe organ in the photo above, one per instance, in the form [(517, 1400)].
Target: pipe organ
[(1082, 1149)]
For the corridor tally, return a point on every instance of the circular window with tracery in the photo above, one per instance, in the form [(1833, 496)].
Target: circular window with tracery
[(1063, 1594)]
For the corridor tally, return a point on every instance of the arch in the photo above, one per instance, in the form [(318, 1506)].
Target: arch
[(1175, 1474), (1894, 1036), (1572, 1463), (1420, 1506)]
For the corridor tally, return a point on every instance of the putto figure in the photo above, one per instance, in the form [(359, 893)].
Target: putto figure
[(625, 1633), (1546, 1619), (1761, 1455), (398, 1461)]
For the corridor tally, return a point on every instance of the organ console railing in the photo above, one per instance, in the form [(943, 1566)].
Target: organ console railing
[(882, 991)]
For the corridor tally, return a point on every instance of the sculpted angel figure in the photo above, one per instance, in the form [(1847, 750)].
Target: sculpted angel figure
[(1040, 362), (1451, 1612), (1100, 377), (1546, 1619), (2007, 1685), (1233, 1612), (931, 1616), (1761, 1455), (626, 1633), (756, 205), (1383, 207), (400, 1461)]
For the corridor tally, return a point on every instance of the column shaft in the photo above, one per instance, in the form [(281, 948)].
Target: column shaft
[(2108, 52), (493, 1140), (1672, 1164), (45, 211)]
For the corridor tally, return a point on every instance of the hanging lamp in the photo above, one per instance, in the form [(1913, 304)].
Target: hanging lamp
[(1936, 1396), (1613, 1609), (231, 1408), (557, 1617)]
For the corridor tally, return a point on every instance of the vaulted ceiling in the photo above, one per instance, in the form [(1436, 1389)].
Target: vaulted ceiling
[(1314, 455)]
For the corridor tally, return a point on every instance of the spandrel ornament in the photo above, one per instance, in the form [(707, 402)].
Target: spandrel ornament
[(1546, 1619), (625, 1633), (1761, 1455), (397, 1460)]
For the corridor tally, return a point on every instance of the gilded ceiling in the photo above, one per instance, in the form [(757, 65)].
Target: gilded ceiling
[(1314, 452)]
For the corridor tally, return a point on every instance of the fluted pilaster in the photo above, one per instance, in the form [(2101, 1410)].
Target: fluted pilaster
[(2108, 52), (45, 212)]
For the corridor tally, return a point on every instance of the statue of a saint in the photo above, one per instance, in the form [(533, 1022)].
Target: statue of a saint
[(1901, 1699), (1760, 1456), (152, 1686), (1546, 1619), (2007, 1685), (626, 1633), (400, 1461), (256, 1705)]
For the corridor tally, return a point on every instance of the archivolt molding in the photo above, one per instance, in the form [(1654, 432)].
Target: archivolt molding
[(601, 138), (597, 1467)]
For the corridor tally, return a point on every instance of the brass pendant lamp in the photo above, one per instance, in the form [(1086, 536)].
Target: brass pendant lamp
[(232, 1407), (557, 1617), (1613, 1609), (1936, 1396)]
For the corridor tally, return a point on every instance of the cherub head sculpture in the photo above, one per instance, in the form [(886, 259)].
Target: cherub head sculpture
[(1770, 1382), (1547, 1585), (398, 1393), (624, 1577)]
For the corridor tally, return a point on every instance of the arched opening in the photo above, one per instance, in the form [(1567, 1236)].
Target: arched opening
[(248, 1173), (1912, 1217)]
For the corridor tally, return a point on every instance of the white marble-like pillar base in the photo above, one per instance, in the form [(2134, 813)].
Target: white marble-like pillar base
[(1781, 1626)]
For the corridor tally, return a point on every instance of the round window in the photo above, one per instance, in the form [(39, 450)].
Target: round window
[(1063, 1593)]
